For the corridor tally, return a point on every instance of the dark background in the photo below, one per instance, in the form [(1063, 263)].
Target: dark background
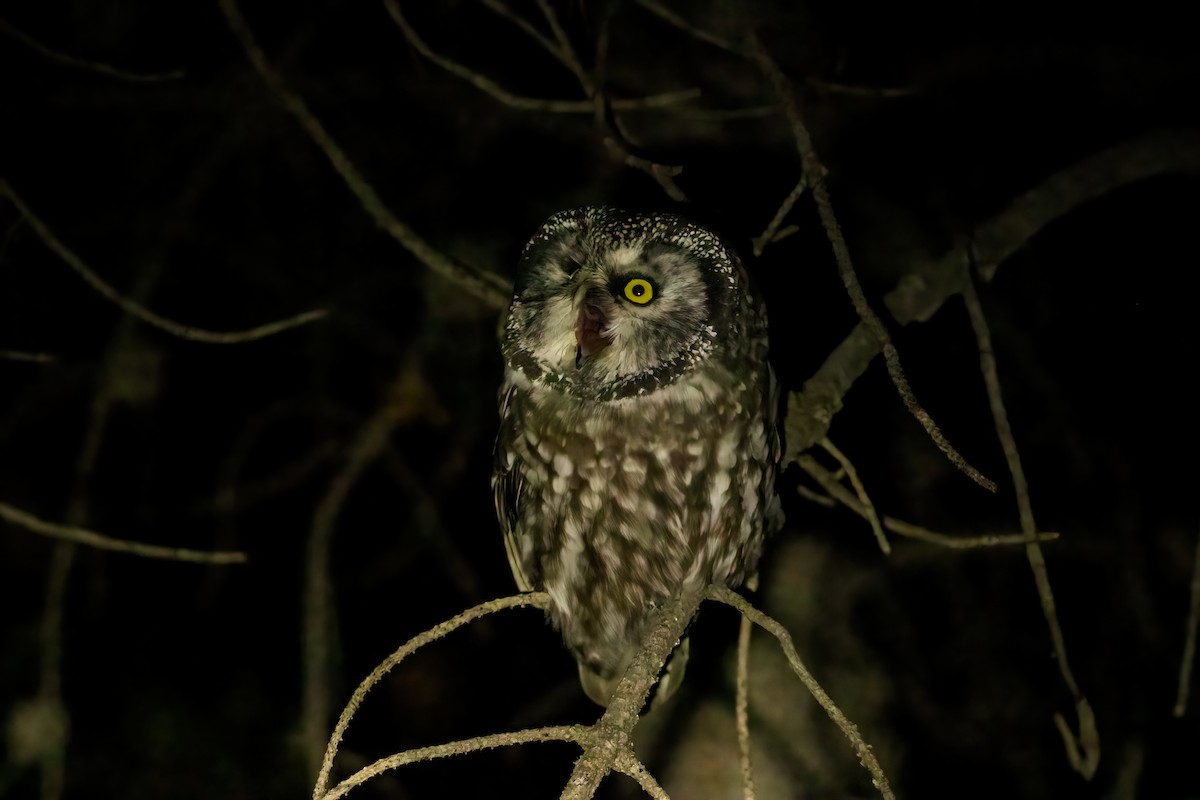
[(200, 197)]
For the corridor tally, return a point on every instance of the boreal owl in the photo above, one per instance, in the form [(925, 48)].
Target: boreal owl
[(638, 444)]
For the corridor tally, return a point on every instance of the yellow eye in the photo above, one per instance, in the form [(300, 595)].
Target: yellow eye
[(639, 291)]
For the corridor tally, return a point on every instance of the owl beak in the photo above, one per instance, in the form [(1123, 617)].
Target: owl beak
[(589, 331)]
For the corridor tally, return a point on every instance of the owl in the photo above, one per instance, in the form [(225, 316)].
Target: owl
[(638, 442)]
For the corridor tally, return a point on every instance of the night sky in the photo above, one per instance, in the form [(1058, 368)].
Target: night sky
[(139, 145)]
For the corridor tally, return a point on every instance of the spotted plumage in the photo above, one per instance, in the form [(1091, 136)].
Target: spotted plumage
[(638, 443)]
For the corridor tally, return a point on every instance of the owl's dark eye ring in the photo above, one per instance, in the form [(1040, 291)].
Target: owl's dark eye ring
[(639, 291), (571, 265)]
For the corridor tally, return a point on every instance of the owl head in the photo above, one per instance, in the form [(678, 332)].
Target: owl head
[(610, 304)]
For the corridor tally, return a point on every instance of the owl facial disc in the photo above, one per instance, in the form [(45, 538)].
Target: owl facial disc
[(590, 325)]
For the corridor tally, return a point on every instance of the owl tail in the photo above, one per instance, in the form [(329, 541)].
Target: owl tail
[(600, 689)]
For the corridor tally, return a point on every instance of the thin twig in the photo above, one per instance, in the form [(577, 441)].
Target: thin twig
[(134, 308), (840, 494), (1087, 760), (70, 533), (498, 92), (861, 491), (669, 16), (489, 288), (742, 705), (528, 27), (8, 29), (814, 171), (816, 497), (927, 282), (599, 104), (663, 174), (21, 355), (1189, 643), (569, 58), (628, 764), (848, 728), (536, 599), (618, 142), (860, 91), (54, 748), (729, 46), (902, 528), (559, 733), (772, 234)]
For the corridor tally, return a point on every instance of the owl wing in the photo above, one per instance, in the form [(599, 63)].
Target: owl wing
[(508, 485)]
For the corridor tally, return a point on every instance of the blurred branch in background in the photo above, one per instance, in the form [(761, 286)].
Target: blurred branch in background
[(814, 174), (99, 67), (1189, 640), (136, 309), (836, 493), (76, 535), (407, 400), (491, 289), (1083, 749)]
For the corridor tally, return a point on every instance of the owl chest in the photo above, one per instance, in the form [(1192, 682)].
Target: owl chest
[(605, 472)]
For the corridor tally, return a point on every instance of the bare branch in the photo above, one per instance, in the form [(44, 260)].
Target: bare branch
[(613, 730), (839, 494), (536, 599), (848, 728), (487, 287), (814, 172), (598, 103), (135, 309), (566, 50), (628, 764), (8, 29), (560, 733), (860, 490), (1158, 153), (1189, 643), (836, 87), (669, 16), (50, 695), (526, 26), (902, 528), (772, 233), (70, 533), (21, 355), (927, 283), (495, 90), (663, 174), (742, 705), (814, 496), (1087, 761)]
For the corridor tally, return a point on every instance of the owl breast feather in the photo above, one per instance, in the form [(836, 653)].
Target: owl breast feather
[(626, 502)]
